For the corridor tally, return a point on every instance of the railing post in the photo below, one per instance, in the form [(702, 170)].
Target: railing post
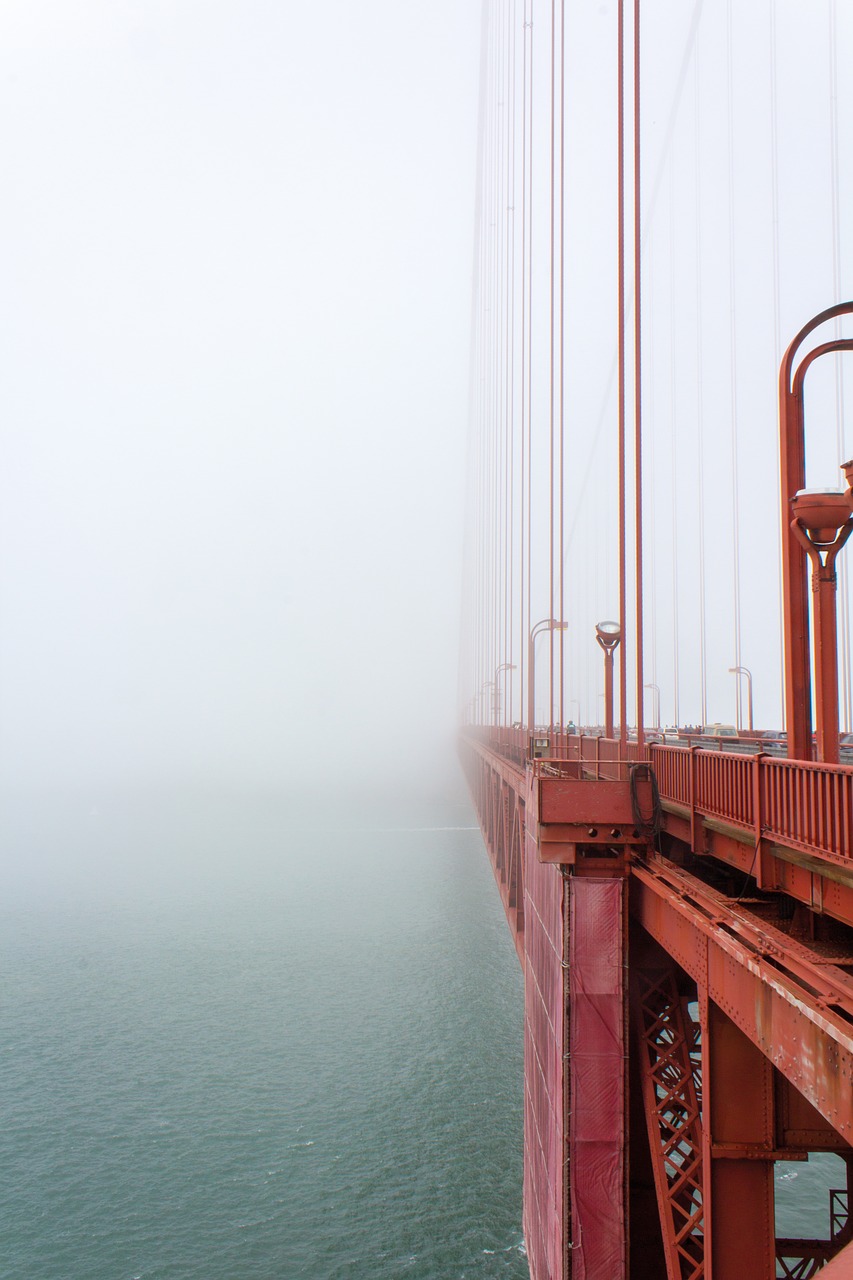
[(692, 751), (758, 819)]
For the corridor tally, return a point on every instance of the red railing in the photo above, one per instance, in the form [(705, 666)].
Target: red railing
[(808, 805), (723, 786), (798, 803), (673, 769)]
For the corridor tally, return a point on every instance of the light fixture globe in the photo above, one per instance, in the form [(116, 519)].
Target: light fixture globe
[(608, 634), (821, 512)]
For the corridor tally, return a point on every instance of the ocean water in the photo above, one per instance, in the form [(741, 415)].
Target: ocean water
[(265, 1037), (256, 1037)]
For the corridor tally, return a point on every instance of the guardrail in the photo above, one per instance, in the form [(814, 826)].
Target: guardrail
[(797, 803)]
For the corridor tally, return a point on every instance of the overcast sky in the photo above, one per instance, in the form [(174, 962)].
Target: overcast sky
[(236, 245)]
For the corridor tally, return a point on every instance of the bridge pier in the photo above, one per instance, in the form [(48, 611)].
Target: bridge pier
[(575, 1157)]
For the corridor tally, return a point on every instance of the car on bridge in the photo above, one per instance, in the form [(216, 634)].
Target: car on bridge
[(718, 730)]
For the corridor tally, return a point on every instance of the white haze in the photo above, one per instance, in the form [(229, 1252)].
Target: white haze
[(236, 246)]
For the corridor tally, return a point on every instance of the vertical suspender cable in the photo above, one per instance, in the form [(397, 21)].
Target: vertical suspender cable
[(522, 565), (551, 406), (700, 404), (562, 614), (843, 575), (529, 351), (638, 383), (491, 426), (674, 449), (527, 620), (494, 417), (524, 576), (653, 455), (777, 320), (620, 217), (733, 353), (509, 652), (505, 654)]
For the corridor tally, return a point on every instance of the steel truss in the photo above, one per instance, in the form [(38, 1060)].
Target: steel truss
[(671, 1103)]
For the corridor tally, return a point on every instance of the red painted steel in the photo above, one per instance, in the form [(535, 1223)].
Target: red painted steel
[(790, 807), (671, 1104), (798, 701), (792, 1008), (546, 1101), (598, 1051), (773, 1011), (839, 1268)]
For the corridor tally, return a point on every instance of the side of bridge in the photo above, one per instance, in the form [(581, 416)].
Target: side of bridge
[(682, 918)]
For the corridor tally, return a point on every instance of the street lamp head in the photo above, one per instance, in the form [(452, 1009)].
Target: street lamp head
[(608, 635), (821, 512), (549, 624)]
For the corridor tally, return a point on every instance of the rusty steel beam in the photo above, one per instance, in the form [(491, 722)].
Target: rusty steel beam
[(798, 1013)]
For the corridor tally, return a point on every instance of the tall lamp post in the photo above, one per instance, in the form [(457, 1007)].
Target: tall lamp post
[(656, 691), (822, 524), (744, 671), (608, 635), (547, 624), (496, 698), (815, 526), (486, 685)]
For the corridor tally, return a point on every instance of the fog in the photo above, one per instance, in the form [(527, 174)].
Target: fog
[(236, 262)]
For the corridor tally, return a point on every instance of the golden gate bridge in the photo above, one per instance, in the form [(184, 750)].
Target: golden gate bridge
[(658, 419)]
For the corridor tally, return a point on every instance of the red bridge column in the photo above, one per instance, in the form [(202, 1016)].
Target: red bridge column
[(597, 1068), (575, 1069), (739, 1156)]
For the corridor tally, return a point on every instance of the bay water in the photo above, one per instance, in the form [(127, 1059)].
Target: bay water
[(265, 1036), (256, 1036)]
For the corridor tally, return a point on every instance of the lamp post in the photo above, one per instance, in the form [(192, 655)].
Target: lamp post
[(822, 524), (656, 691), (608, 635), (744, 671), (487, 684), (547, 624), (496, 698), (819, 528)]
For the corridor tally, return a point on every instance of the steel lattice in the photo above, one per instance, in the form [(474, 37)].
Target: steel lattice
[(668, 1069)]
